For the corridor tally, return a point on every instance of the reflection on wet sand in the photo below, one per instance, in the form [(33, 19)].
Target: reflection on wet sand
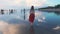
[(32, 30), (14, 29), (7, 28)]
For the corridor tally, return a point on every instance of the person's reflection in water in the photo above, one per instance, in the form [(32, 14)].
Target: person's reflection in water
[(32, 30)]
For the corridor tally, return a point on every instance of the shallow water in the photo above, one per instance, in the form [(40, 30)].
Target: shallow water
[(45, 23)]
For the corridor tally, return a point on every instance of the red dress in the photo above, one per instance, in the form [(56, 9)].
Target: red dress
[(31, 17)]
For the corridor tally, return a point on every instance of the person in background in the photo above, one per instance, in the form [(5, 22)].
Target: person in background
[(2, 11)]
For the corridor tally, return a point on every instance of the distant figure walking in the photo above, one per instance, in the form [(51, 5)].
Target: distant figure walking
[(11, 11), (24, 14), (2, 11), (32, 15)]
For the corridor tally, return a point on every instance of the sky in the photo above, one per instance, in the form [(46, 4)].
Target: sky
[(27, 3)]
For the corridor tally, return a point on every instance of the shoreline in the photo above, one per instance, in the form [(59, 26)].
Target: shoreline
[(50, 10)]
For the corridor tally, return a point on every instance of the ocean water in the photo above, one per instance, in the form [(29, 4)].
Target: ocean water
[(17, 23)]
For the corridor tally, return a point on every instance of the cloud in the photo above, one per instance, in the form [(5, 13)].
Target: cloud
[(57, 28), (7, 28), (10, 3), (52, 2), (42, 19), (21, 3), (38, 14), (35, 2), (3, 25)]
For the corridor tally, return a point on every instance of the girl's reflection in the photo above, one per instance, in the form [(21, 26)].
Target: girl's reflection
[(32, 30)]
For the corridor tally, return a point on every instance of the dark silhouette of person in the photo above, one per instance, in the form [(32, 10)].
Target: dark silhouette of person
[(32, 15), (2, 11), (11, 11), (24, 14)]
